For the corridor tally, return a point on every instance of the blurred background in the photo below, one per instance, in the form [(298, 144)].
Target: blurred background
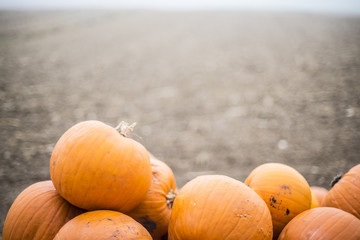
[(216, 87)]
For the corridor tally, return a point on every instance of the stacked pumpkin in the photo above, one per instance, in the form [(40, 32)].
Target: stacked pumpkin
[(107, 186), (100, 178)]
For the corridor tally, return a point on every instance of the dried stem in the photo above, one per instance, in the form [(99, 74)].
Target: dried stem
[(170, 197), (125, 129), (336, 179)]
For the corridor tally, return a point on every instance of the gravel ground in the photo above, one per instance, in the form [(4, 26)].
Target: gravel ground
[(212, 92)]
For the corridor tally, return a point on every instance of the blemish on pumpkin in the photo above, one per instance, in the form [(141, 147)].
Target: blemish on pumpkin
[(116, 233), (148, 223), (272, 199), (109, 219), (285, 187), (287, 211)]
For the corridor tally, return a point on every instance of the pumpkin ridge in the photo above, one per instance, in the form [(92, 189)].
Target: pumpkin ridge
[(232, 230), (52, 162), (344, 229), (205, 203), (33, 216), (223, 213), (79, 165), (315, 219), (347, 201), (97, 167), (67, 135), (265, 208), (52, 219), (337, 222), (21, 213), (125, 203), (83, 130)]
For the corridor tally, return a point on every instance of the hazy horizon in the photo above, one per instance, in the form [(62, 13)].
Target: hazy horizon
[(322, 6)]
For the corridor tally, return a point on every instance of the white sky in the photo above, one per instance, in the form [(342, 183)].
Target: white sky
[(332, 6)]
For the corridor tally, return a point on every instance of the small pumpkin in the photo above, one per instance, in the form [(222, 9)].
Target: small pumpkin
[(284, 190), (322, 223), (102, 224), (345, 194), (154, 211), (38, 213), (219, 207), (317, 195), (95, 166)]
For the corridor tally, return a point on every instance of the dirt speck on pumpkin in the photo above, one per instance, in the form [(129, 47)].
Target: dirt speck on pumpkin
[(287, 211)]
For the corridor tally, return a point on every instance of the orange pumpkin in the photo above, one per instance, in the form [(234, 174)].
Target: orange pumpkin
[(38, 213), (154, 211), (93, 166), (317, 196), (102, 225), (345, 194), (284, 190), (219, 207), (322, 223)]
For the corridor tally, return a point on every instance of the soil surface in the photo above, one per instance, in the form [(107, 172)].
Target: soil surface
[(211, 92)]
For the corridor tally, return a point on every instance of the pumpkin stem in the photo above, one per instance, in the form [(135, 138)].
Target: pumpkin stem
[(125, 129), (336, 179), (170, 197)]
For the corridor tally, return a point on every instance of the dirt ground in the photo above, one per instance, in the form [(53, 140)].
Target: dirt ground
[(212, 92)]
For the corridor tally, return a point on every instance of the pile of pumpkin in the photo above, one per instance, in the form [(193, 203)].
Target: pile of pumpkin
[(104, 185)]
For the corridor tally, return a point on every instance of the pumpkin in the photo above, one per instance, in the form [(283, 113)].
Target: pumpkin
[(317, 196), (284, 190), (38, 213), (95, 166), (322, 223), (154, 211), (219, 207), (345, 194), (102, 225)]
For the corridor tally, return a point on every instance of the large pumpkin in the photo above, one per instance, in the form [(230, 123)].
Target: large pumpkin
[(154, 211), (93, 166), (102, 225), (219, 207), (285, 191), (317, 195), (322, 223), (38, 213), (345, 194)]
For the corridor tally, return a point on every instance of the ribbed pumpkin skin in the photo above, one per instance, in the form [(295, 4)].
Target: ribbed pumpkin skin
[(322, 223), (219, 207), (317, 196), (94, 167), (153, 212), (38, 213), (284, 190), (102, 225), (345, 194)]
